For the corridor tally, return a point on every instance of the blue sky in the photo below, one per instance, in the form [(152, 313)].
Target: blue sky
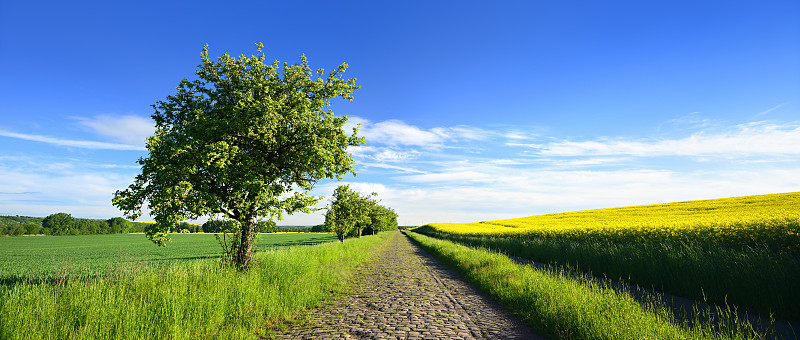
[(471, 111)]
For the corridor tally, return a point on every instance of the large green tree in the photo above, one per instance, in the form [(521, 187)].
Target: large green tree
[(246, 140)]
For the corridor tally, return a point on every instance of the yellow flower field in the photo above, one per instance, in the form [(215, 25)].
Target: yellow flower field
[(764, 220)]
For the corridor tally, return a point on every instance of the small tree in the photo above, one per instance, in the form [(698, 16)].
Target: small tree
[(346, 211), (381, 219), (245, 141)]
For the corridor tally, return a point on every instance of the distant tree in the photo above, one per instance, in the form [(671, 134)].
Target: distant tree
[(118, 225), (244, 141), (219, 226), (318, 228), (17, 230), (180, 227), (346, 213), (268, 226), (32, 229), (381, 219), (59, 223)]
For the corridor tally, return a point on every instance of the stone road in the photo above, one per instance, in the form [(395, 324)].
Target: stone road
[(404, 293)]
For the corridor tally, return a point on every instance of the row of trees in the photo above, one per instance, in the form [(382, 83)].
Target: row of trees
[(63, 224), (351, 214), (66, 224)]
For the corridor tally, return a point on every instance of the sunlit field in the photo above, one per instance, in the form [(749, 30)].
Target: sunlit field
[(742, 251), (42, 257), (177, 292)]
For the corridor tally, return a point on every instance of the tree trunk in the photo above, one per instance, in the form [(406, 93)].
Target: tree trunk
[(246, 244)]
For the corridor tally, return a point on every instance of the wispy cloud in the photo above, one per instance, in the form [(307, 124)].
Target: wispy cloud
[(384, 154), (762, 113), (72, 143), (394, 132), (744, 140), (129, 129)]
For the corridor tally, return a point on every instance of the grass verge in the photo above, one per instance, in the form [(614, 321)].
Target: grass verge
[(560, 307), (186, 300)]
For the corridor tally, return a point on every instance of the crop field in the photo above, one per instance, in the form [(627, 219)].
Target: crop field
[(742, 252), (125, 287), (36, 258)]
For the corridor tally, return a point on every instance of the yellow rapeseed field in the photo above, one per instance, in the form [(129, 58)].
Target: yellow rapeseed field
[(764, 220)]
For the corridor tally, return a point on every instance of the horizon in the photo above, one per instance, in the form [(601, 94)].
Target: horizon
[(470, 112)]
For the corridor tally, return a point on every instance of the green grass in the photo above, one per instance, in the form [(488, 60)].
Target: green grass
[(182, 299), (44, 257), (753, 279), (558, 306)]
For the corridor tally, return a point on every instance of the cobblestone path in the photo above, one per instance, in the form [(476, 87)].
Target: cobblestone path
[(404, 293)]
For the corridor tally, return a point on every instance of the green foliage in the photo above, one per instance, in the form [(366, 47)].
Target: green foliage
[(60, 223), (266, 227), (381, 219), (21, 225), (347, 213), (350, 214), (246, 140), (118, 225)]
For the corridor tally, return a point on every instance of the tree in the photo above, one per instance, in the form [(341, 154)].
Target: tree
[(246, 141), (59, 223), (381, 219), (267, 227), (118, 225), (347, 212)]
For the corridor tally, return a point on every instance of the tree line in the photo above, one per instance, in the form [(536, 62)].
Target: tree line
[(65, 224), (351, 214)]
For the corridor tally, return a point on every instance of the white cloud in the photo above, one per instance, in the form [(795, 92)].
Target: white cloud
[(753, 139), (72, 143), (130, 129), (383, 154), (395, 132), (390, 166), (72, 190)]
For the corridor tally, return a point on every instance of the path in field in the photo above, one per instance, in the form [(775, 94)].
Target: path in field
[(407, 294)]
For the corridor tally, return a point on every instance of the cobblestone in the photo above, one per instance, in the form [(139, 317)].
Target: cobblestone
[(404, 293)]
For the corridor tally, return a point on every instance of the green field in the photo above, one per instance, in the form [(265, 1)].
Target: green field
[(43, 257), (165, 294)]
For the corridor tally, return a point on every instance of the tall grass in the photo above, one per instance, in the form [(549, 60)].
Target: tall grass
[(186, 300), (754, 279), (560, 307)]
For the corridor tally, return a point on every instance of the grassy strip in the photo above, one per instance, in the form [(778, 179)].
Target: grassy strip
[(560, 307), (186, 300), (755, 279)]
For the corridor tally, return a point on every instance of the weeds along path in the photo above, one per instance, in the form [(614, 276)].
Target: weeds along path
[(404, 293)]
